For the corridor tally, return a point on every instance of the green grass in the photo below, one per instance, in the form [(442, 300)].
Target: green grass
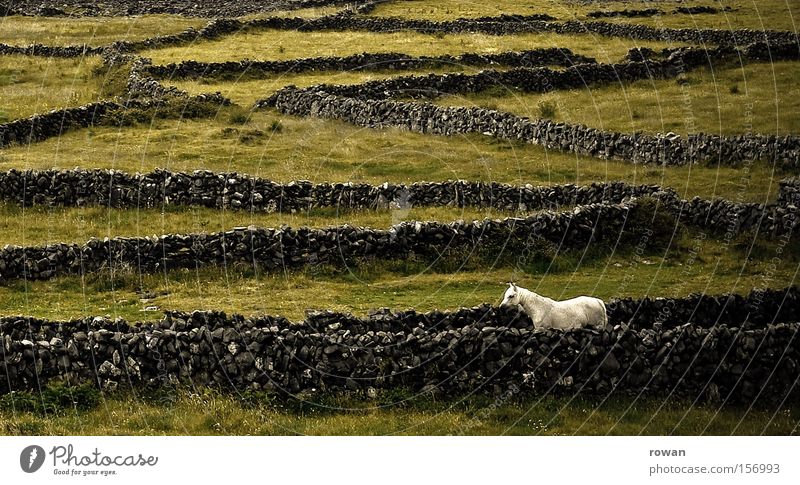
[(456, 279), (310, 12), (324, 150), (284, 45), (30, 85), (45, 225), (763, 14), (395, 413), (755, 98), (93, 31)]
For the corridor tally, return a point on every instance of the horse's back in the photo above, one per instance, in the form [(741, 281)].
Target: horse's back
[(589, 309)]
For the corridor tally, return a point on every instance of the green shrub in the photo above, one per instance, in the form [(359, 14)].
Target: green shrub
[(115, 79), (649, 223), (239, 117), (547, 109)]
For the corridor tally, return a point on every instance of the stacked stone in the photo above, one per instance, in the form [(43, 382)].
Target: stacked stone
[(190, 8), (789, 192), (376, 61), (483, 349), (272, 249), (50, 51), (541, 79), (113, 188), (658, 149), (53, 123), (755, 310), (629, 13)]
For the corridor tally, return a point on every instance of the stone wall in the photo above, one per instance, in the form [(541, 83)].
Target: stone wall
[(142, 91), (276, 249), (118, 189), (789, 192), (669, 64), (628, 13), (350, 19), (50, 51), (109, 188), (501, 25), (42, 126), (189, 8), (377, 61), (481, 349), (658, 149), (538, 79)]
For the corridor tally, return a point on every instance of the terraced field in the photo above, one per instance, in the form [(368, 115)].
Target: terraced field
[(351, 184)]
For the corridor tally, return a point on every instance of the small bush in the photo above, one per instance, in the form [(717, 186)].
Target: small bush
[(251, 136), (649, 223), (734, 89), (115, 79), (547, 109), (171, 108), (276, 126), (239, 117)]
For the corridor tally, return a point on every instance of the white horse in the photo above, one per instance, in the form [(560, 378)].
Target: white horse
[(548, 313)]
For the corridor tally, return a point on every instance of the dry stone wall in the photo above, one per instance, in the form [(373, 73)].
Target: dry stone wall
[(481, 349), (372, 61), (117, 189), (789, 192), (50, 51), (42, 126), (641, 148), (110, 188), (276, 249), (188, 8)]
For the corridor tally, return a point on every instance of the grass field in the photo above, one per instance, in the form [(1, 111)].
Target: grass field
[(93, 31), (456, 279), (764, 14), (30, 85), (286, 44), (751, 98), (45, 225), (285, 148), (212, 413), (265, 143)]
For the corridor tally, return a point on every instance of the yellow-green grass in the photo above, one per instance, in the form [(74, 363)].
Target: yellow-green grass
[(762, 14), (40, 225), (746, 14), (245, 91), (289, 44), (30, 85), (209, 412), (691, 265), (93, 31), (333, 151), (310, 12), (751, 98)]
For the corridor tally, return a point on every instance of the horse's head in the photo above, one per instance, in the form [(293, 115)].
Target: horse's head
[(511, 297)]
